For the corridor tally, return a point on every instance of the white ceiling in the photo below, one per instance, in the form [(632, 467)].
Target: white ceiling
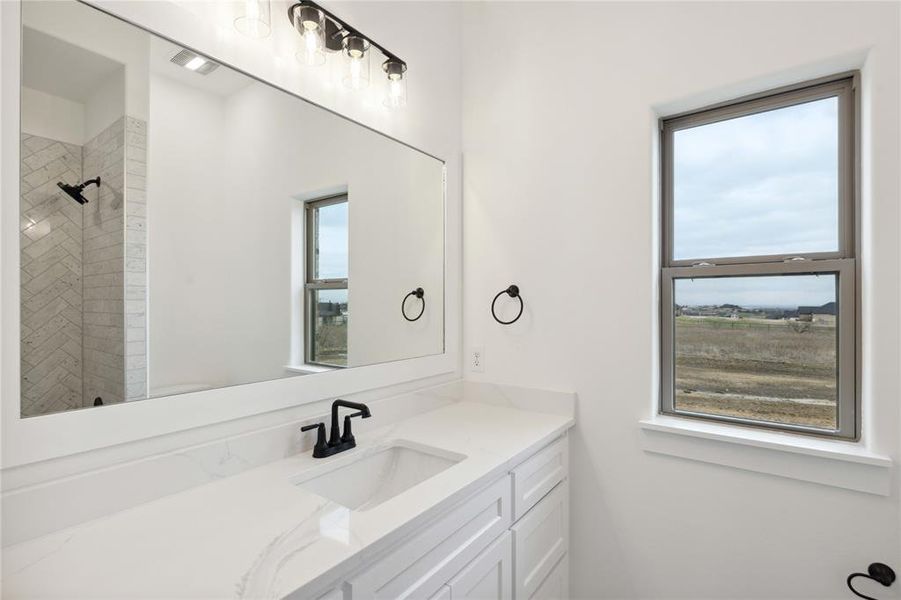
[(60, 68)]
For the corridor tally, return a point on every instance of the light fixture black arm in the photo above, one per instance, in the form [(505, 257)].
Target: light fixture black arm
[(513, 292), (419, 293), (877, 572)]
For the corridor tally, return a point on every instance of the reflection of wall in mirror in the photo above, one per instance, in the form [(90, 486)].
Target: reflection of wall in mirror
[(226, 170)]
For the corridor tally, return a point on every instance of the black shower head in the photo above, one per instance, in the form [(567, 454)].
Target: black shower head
[(75, 191)]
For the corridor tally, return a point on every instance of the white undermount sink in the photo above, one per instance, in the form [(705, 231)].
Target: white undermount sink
[(380, 474)]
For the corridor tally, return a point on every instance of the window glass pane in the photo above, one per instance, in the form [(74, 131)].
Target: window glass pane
[(331, 238), (329, 335), (762, 348), (758, 185)]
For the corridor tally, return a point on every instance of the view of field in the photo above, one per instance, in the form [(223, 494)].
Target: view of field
[(765, 369), (330, 342)]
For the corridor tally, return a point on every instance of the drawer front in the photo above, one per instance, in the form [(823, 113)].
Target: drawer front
[(540, 540), (556, 585), (489, 576), (424, 563), (538, 475)]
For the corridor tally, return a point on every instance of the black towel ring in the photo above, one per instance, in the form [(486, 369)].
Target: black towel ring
[(419, 293), (513, 292), (877, 572)]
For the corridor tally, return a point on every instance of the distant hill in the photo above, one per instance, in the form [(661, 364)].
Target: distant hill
[(824, 309)]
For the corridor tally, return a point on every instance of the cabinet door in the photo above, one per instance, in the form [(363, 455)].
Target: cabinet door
[(418, 567), (540, 540), (556, 585), (489, 576)]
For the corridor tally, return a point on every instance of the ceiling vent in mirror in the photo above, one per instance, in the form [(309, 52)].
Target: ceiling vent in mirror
[(194, 62)]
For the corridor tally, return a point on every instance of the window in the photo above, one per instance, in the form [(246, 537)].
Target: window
[(758, 278), (326, 282)]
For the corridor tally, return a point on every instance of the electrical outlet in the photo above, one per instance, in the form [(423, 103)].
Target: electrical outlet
[(477, 359)]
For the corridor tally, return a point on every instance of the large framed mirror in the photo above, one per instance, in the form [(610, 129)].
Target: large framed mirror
[(186, 227)]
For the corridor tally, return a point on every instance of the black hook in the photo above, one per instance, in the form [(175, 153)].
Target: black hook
[(419, 293), (877, 572), (513, 292)]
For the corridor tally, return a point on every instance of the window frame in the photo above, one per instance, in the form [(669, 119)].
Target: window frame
[(842, 262), (312, 283)]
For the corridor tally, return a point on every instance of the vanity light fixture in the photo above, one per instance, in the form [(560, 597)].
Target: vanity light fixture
[(323, 32), (254, 18), (356, 61)]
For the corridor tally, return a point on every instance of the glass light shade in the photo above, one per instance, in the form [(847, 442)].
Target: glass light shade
[(310, 24), (396, 94), (356, 62), (254, 18)]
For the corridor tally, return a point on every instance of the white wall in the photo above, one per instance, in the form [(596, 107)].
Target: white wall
[(560, 184), (52, 117), (78, 24), (224, 175), (107, 103)]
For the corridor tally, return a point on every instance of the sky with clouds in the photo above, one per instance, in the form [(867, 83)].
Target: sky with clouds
[(333, 248), (761, 184)]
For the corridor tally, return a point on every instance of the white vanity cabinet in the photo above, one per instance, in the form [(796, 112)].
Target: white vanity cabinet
[(509, 541)]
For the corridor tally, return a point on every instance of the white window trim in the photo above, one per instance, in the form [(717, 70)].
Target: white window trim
[(831, 462)]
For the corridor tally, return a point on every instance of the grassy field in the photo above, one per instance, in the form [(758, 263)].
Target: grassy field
[(757, 368), (331, 342)]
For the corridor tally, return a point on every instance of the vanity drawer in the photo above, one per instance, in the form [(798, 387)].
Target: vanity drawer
[(424, 563), (540, 541), (538, 475)]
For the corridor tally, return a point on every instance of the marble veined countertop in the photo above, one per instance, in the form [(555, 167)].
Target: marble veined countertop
[(257, 534)]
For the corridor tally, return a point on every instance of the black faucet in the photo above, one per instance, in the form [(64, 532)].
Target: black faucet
[(337, 442)]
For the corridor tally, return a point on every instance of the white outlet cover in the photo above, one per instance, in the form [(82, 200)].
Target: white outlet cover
[(477, 359)]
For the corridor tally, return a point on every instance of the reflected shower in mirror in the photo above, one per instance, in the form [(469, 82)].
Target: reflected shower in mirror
[(186, 227)]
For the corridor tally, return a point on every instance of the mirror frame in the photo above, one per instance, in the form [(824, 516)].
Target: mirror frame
[(40, 438)]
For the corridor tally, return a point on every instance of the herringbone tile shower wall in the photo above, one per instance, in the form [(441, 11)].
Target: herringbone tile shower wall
[(104, 268), (51, 242)]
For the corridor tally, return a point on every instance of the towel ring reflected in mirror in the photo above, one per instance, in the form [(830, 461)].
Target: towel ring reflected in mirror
[(513, 292), (419, 293)]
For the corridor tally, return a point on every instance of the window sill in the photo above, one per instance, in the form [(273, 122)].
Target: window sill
[(309, 369), (835, 463)]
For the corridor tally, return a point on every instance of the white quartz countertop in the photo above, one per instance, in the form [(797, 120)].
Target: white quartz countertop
[(259, 535)]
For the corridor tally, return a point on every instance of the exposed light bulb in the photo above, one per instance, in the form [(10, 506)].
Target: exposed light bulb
[(310, 23), (356, 55), (397, 84)]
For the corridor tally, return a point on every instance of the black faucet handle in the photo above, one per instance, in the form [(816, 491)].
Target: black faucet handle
[(321, 448), (348, 436)]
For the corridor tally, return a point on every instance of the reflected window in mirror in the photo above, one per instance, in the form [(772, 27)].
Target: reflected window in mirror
[(326, 281)]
